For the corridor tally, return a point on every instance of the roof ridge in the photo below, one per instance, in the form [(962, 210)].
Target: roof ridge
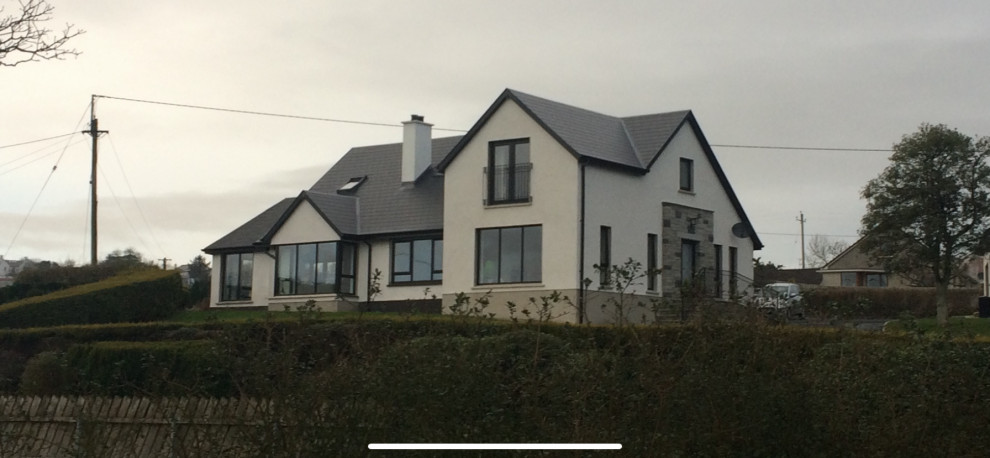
[(544, 99), (632, 143)]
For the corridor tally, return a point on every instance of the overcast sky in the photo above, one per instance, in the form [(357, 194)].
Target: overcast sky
[(838, 74)]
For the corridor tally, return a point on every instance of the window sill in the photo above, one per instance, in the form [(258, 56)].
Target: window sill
[(687, 192), (298, 297), (508, 286), (235, 303), (511, 204), (415, 283)]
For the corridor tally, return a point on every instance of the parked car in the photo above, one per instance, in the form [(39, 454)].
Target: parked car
[(781, 300)]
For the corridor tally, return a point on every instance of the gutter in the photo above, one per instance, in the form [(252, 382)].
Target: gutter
[(581, 294), (367, 286)]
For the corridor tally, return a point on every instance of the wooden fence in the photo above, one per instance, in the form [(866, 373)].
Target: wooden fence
[(132, 427)]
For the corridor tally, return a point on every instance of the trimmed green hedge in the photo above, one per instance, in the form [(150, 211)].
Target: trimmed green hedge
[(180, 368), (145, 295), (849, 302)]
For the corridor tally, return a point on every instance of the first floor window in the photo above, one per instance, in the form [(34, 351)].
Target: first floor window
[(315, 268), (687, 174), (509, 255), (236, 277), (847, 278), (508, 171), (417, 261)]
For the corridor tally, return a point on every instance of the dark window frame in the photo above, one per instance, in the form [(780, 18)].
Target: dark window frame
[(687, 175), (478, 277), (718, 270), (733, 271), (436, 275), (651, 262), (694, 244), (338, 274), (513, 173), (605, 255), (239, 287)]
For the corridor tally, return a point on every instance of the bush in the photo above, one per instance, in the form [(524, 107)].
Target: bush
[(177, 368), (47, 374), (144, 295)]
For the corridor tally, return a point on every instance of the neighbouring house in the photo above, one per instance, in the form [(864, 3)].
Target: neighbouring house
[(528, 202), (856, 267), (6, 273)]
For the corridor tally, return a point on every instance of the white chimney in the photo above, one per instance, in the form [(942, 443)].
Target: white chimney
[(417, 148)]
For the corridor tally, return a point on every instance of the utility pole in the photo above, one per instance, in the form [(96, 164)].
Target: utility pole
[(94, 131), (165, 263), (801, 220)]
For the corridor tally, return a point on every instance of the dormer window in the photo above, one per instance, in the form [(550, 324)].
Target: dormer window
[(508, 172), (351, 185)]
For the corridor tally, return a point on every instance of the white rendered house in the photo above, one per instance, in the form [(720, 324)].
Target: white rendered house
[(528, 202)]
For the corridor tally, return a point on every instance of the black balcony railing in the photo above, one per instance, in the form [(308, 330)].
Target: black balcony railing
[(509, 183)]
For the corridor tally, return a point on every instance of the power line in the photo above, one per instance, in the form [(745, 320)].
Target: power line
[(380, 124), (806, 148), (798, 235), (120, 166), (37, 141), (263, 113)]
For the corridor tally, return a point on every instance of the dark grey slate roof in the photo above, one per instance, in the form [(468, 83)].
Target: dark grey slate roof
[(651, 133), (385, 205), (632, 143), (251, 232), (381, 204)]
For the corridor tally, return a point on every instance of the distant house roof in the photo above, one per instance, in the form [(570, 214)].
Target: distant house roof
[(853, 259)]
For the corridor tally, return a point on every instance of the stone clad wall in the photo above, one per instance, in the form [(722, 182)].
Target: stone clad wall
[(685, 223)]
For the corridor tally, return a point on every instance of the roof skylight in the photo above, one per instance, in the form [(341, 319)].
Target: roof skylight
[(352, 184)]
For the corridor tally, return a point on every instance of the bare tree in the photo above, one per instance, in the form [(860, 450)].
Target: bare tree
[(822, 249), (24, 38)]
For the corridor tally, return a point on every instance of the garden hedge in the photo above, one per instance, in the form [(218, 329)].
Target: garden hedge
[(849, 302), (144, 295)]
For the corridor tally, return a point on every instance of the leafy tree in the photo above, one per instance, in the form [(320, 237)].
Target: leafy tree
[(931, 206), (822, 249), (199, 278), (128, 258), (23, 37)]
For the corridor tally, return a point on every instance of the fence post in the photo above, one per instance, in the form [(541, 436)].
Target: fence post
[(171, 436)]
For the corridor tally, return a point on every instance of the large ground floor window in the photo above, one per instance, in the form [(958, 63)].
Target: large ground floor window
[(235, 277), (315, 268), (417, 260), (509, 255)]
